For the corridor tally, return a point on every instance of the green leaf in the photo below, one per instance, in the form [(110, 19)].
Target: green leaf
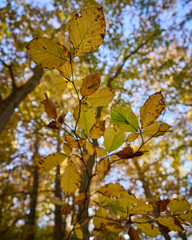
[(125, 119), (50, 161), (113, 138), (102, 97)]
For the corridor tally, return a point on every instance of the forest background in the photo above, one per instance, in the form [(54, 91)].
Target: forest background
[(147, 48)]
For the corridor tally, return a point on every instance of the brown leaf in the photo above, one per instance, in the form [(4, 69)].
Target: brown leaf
[(152, 109), (61, 119), (125, 153), (90, 84), (133, 234), (50, 107), (162, 205), (53, 125), (80, 199), (66, 209), (163, 229)]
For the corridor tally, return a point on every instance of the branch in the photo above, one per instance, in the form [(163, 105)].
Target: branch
[(118, 71), (11, 73)]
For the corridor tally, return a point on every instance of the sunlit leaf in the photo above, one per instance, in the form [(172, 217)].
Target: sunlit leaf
[(132, 137), (113, 226), (48, 53), (70, 179), (148, 228), (114, 205), (59, 83), (90, 84), (156, 129), (178, 206), (187, 216), (90, 148), (97, 130), (100, 151), (103, 167), (50, 161), (102, 97), (142, 208), (111, 190), (113, 138), (170, 223), (152, 109), (125, 118), (67, 149), (87, 30), (127, 201), (100, 218), (65, 69), (79, 231)]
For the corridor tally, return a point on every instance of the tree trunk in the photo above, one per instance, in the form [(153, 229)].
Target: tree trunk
[(34, 194), (8, 105)]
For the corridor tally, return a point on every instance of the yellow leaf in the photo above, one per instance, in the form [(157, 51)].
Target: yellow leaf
[(59, 83), (132, 137), (100, 151), (78, 231), (156, 129), (141, 208), (71, 142), (90, 148), (50, 161), (152, 109), (148, 228), (50, 107), (90, 84), (67, 149), (113, 226), (170, 223), (97, 130), (70, 179), (113, 138), (127, 200), (112, 190), (65, 69), (87, 30), (56, 201), (187, 216), (103, 166), (178, 206), (102, 97), (100, 218), (48, 53)]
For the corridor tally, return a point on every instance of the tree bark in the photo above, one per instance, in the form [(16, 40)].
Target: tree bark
[(8, 105)]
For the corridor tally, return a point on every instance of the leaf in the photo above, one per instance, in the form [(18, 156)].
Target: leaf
[(162, 205), (111, 190), (79, 231), (80, 199), (103, 166), (90, 148), (152, 109), (148, 228), (71, 142), (65, 210), (50, 161), (178, 206), (142, 208), (133, 234), (59, 83), (97, 130), (48, 53), (90, 84), (87, 30), (70, 179), (170, 223), (50, 107), (86, 120), (113, 138), (113, 226), (56, 201), (100, 151), (125, 119), (100, 218), (127, 201), (67, 149), (187, 216), (156, 129), (125, 153), (114, 205), (132, 137), (65, 69), (102, 97)]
